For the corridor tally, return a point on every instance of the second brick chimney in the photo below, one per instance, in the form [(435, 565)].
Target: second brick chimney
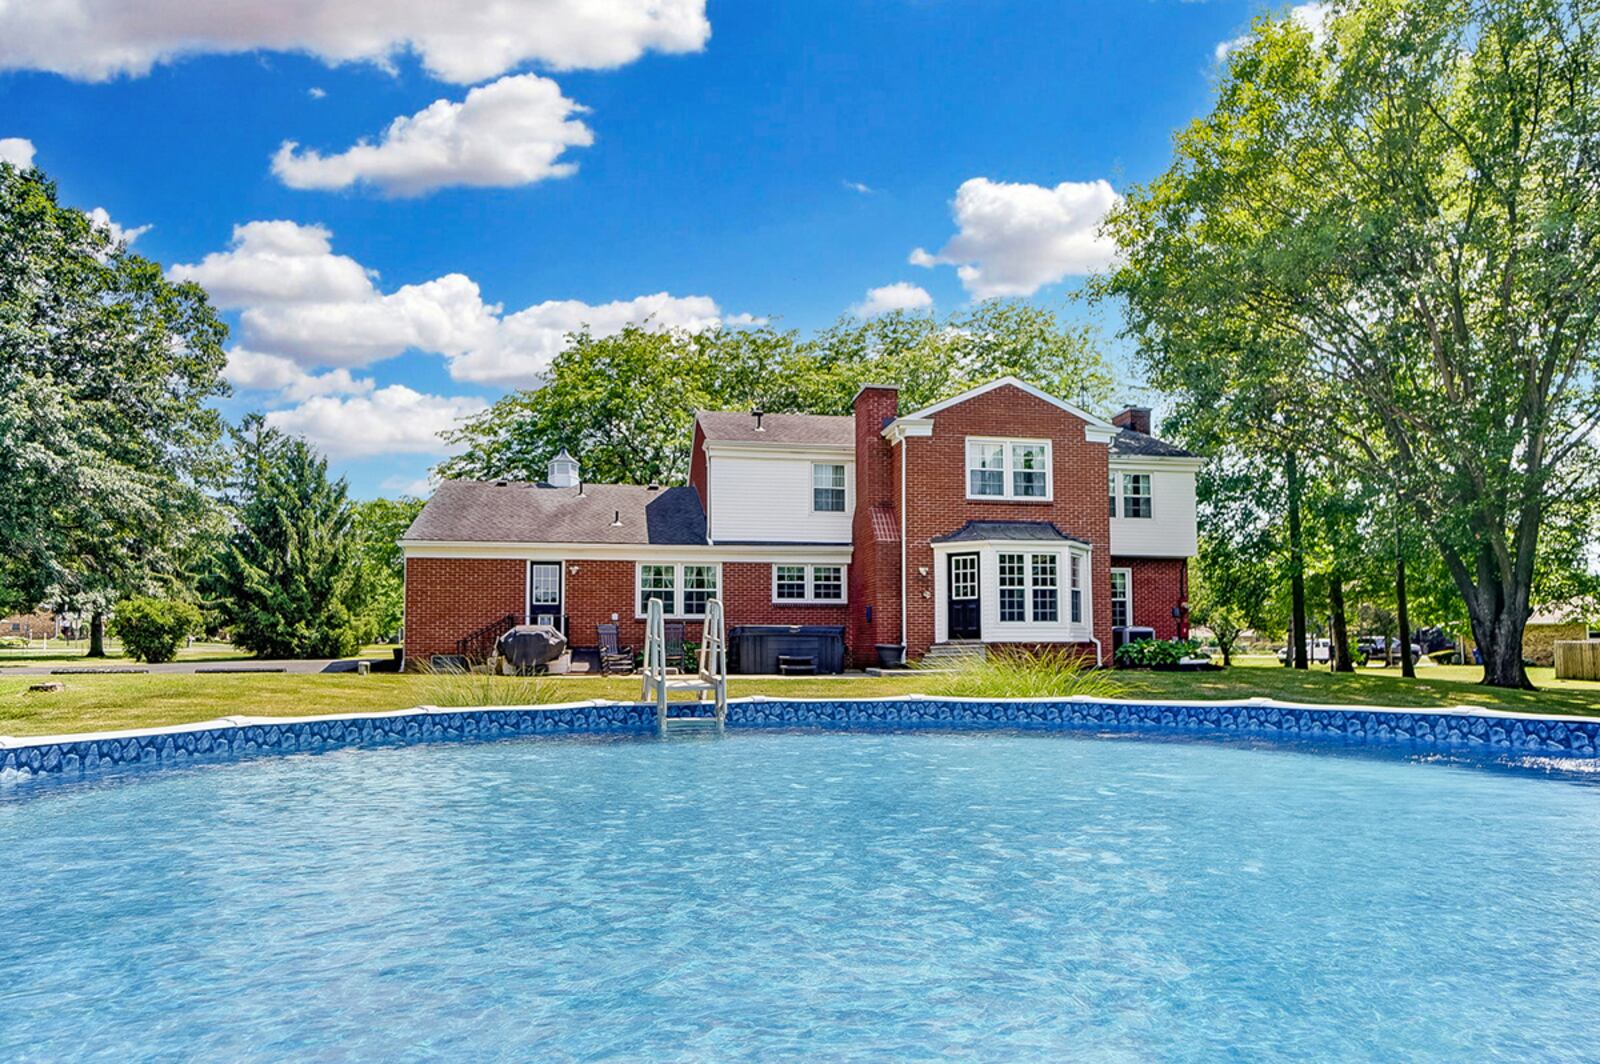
[(1136, 418)]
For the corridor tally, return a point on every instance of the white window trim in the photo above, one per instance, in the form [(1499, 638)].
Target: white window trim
[(1007, 470), (677, 588), (1127, 574), (844, 487), (811, 576), (1149, 497), (1063, 586)]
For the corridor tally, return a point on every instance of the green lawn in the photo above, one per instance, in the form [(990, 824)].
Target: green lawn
[(75, 652), (104, 703)]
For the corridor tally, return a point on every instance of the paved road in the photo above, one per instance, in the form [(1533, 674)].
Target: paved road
[(186, 667)]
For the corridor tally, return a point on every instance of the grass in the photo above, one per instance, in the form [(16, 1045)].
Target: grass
[(105, 703), (75, 652)]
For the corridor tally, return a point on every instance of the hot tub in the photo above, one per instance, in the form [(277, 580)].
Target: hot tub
[(756, 648)]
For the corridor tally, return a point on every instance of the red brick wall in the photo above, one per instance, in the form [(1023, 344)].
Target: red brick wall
[(1159, 584), (448, 598), (875, 568), (937, 500)]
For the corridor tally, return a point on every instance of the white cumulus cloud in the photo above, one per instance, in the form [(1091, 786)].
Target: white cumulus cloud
[(253, 371), (299, 300), (102, 218), (901, 295), (1013, 239), (509, 132), (1313, 16), (464, 43), (391, 420), (18, 151)]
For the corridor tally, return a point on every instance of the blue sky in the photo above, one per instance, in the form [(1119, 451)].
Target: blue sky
[(597, 162)]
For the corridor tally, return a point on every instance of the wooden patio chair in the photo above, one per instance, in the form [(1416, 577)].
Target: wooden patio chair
[(613, 659), (674, 641)]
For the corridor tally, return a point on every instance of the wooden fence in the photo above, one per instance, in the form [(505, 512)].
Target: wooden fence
[(1578, 659)]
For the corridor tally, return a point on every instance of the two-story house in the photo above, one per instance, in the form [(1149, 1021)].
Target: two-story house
[(985, 518)]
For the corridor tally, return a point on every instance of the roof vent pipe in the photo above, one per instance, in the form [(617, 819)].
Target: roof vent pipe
[(616, 519), (758, 414)]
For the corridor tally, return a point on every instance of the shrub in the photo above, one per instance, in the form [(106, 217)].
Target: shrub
[(1051, 673), (151, 629), (1157, 651)]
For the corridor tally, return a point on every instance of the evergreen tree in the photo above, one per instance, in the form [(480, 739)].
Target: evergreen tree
[(288, 583)]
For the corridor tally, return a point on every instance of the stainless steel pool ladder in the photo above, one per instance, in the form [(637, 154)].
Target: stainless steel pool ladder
[(711, 677)]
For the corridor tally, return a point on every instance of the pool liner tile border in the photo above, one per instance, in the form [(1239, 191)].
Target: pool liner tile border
[(1454, 730)]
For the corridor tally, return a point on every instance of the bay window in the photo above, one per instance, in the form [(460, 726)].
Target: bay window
[(1029, 587)]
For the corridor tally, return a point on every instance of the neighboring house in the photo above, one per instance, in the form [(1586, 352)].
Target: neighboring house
[(1563, 621), (40, 624), (983, 518)]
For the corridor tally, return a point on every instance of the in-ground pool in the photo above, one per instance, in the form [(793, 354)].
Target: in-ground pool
[(828, 896)]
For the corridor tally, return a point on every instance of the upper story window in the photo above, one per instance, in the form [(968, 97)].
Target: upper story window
[(1136, 495), (1111, 493), (827, 488), (1008, 469)]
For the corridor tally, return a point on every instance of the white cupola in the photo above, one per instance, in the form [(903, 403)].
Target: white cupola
[(563, 470)]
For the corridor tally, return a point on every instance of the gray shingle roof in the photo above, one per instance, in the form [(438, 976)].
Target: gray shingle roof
[(478, 511), (1131, 444), (1035, 531), (818, 429)]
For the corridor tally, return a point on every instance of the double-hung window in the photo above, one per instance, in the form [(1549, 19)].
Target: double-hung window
[(1030, 587), (684, 589), (808, 583), (1076, 578), (1136, 495), (1121, 598), (1111, 493), (1008, 469), (827, 488)]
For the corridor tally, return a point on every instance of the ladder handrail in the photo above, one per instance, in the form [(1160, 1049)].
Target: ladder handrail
[(712, 660)]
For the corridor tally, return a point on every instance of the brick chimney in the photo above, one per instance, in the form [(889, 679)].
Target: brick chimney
[(875, 566), (1136, 418)]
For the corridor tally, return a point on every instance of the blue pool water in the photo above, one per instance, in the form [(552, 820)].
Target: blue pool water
[(908, 897)]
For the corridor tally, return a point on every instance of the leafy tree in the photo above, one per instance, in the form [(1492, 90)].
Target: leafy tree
[(106, 438), (625, 403), (151, 629), (289, 583), (378, 526), (1401, 218)]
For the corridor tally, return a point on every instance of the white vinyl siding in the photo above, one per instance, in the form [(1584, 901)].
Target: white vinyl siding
[(808, 585), (683, 587), (1005, 470), (1169, 531), (760, 499)]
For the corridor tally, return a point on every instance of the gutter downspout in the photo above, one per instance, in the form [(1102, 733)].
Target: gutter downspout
[(1099, 655), (905, 647)]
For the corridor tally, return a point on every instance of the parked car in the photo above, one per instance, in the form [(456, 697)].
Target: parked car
[(1318, 652), (1377, 647)]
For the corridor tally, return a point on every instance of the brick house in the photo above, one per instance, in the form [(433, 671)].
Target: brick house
[(985, 518)]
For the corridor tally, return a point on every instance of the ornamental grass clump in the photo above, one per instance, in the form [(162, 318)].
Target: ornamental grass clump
[(462, 689), (1051, 673)]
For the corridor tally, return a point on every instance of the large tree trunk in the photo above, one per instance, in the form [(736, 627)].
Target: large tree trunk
[(1498, 611), (1336, 621), (1408, 668), (97, 634), (1297, 568)]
